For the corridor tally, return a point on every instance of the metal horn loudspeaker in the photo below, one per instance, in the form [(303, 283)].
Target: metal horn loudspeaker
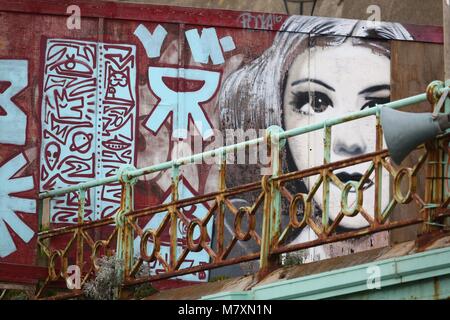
[(404, 131)]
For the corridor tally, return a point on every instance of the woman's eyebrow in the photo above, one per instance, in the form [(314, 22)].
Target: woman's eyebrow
[(375, 89), (313, 80)]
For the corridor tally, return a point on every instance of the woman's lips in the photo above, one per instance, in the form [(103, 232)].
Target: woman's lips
[(345, 177)]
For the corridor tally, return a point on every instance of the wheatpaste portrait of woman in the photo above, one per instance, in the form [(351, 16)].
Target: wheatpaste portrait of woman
[(317, 69)]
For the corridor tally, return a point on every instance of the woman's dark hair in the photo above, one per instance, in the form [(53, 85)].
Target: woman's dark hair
[(251, 97)]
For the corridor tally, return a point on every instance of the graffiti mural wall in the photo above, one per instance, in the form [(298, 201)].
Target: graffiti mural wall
[(76, 104), (18, 214), (88, 122)]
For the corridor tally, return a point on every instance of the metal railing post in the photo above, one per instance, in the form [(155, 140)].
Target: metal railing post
[(174, 217), (437, 158), (125, 232), (220, 219), (272, 202), (326, 179), (378, 168), (80, 220)]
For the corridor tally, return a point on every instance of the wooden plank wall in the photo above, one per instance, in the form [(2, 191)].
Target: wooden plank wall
[(413, 66)]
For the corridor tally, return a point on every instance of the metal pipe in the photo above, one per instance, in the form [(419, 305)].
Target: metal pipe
[(218, 152), (354, 115)]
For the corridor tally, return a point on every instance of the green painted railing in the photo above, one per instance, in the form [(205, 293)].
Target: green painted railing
[(436, 89), (271, 190)]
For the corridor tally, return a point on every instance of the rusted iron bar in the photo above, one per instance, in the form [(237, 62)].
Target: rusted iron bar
[(211, 196), (279, 250), (198, 268), (349, 235)]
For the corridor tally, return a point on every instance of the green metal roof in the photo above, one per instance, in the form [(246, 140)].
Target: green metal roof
[(423, 275)]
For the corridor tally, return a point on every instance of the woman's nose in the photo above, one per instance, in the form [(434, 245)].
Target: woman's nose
[(348, 146)]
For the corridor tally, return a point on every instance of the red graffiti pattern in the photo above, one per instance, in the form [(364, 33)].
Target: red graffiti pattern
[(88, 129)]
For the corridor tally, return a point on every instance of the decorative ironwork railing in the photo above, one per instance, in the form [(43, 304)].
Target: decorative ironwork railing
[(81, 244)]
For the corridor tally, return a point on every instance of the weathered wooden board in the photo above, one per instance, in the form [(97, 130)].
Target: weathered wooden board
[(413, 67)]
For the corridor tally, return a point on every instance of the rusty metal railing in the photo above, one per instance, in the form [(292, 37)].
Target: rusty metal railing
[(82, 243)]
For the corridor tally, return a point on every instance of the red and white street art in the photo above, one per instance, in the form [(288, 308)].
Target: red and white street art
[(13, 131), (76, 105), (88, 122)]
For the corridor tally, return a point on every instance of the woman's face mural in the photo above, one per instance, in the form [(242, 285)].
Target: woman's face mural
[(317, 69), (325, 82)]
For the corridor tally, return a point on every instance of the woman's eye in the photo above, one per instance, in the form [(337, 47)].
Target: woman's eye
[(320, 102), (372, 102), (316, 101), (300, 101)]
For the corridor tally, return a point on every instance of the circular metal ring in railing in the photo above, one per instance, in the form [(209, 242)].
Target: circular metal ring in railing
[(122, 174), (351, 212), (52, 265), (143, 246), (190, 236), (238, 221), (97, 245), (433, 93), (398, 195), (293, 208), (273, 132), (265, 184)]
